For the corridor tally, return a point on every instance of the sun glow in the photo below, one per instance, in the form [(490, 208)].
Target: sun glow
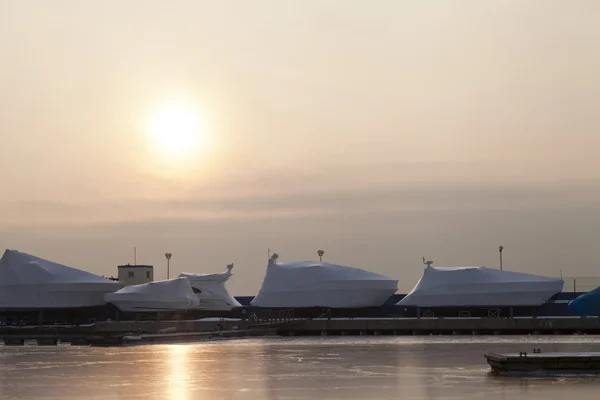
[(176, 134)]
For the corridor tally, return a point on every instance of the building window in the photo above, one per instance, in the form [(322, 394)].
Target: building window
[(130, 274), (148, 274), (196, 290)]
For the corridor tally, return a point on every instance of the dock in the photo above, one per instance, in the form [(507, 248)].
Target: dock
[(443, 326), (544, 362), (178, 337), (115, 333)]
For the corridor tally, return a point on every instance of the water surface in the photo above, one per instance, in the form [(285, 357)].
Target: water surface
[(405, 368)]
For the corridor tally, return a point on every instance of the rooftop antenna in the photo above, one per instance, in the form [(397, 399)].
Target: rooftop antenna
[(428, 263), (268, 253), (134, 256)]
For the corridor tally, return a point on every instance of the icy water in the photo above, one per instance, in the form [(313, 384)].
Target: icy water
[(450, 368)]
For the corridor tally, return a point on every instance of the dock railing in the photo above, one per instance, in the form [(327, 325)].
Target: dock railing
[(272, 317)]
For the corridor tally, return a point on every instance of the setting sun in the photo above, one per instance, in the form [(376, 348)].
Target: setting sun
[(176, 133)]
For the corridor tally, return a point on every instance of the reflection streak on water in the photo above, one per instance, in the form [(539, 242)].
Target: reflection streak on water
[(179, 372)]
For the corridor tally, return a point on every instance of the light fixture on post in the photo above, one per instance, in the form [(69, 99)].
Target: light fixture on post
[(500, 250), (168, 257), (320, 253)]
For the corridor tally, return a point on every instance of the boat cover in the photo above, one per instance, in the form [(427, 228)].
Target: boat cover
[(27, 282), (587, 304), (480, 286), (321, 284), (169, 295), (211, 291)]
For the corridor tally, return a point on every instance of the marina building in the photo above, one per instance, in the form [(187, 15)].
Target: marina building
[(135, 274)]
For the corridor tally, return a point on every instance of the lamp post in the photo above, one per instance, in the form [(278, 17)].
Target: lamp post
[(500, 250), (168, 257), (320, 253)]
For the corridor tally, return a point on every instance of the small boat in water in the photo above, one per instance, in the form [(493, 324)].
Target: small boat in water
[(538, 362)]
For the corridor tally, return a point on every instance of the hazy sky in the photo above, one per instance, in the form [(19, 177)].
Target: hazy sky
[(379, 131)]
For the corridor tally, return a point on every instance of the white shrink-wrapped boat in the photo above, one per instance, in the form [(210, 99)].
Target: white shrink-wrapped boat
[(211, 291), (479, 286), (29, 282), (169, 295), (321, 284)]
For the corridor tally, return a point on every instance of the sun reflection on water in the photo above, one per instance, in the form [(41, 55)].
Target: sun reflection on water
[(179, 374)]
